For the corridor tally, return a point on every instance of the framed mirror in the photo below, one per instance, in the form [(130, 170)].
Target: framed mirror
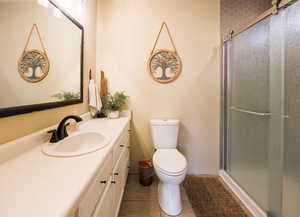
[(41, 57)]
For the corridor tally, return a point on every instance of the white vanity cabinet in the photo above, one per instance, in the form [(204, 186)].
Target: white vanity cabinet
[(104, 196)]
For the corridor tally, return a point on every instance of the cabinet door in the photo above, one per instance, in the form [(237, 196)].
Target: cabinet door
[(119, 179), (105, 207), (93, 195), (117, 188)]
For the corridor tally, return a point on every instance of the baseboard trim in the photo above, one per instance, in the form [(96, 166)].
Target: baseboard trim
[(248, 202)]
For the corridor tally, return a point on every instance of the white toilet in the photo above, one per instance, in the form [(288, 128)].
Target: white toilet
[(169, 164)]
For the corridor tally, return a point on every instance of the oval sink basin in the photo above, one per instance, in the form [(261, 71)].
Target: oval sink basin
[(76, 144)]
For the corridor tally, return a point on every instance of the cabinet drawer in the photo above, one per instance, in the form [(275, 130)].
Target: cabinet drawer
[(125, 167), (92, 196), (120, 145), (127, 127)]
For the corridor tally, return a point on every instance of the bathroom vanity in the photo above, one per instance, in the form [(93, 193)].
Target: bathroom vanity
[(104, 195), (34, 184)]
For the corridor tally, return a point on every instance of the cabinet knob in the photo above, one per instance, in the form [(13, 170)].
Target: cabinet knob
[(116, 174), (121, 146), (113, 182), (103, 182)]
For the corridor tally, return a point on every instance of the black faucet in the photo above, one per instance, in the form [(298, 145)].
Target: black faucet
[(61, 131)]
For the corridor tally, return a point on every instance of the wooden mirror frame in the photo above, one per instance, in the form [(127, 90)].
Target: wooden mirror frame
[(5, 112)]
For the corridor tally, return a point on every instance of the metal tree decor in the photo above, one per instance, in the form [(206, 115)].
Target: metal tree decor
[(33, 65), (164, 65)]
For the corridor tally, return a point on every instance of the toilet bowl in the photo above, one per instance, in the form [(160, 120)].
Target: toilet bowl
[(170, 167), (169, 164)]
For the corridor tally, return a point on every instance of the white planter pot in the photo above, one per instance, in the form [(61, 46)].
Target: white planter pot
[(114, 114)]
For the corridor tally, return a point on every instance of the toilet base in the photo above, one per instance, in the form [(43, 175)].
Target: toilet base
[(169, 198)]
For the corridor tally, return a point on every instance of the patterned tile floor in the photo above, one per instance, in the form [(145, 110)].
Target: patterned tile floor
[(140, 201), (208, 197)]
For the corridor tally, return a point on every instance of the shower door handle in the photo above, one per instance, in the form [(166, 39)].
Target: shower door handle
[(263, 114)]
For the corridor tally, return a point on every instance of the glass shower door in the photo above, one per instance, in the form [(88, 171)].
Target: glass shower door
[(249, 111), (263, 112), (291, 178)]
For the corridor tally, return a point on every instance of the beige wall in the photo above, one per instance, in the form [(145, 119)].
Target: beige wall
[(126, 33), (18, 126)]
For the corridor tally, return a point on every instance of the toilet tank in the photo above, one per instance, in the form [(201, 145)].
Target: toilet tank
[(164, 133)]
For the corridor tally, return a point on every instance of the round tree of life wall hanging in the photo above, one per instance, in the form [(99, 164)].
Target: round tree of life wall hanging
[(164, 65), (34, 64)]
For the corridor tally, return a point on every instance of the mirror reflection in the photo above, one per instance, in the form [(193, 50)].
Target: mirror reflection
[(40, 55)]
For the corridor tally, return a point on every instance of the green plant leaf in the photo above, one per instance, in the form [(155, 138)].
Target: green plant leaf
[(66, 95), (116, 102)]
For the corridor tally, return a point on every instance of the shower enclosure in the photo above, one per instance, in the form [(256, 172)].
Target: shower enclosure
[(261, 110)]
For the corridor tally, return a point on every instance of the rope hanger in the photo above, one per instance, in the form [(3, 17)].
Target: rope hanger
[(164, 24), (34, 26)]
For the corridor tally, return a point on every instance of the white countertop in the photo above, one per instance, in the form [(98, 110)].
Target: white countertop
[(36, 185)]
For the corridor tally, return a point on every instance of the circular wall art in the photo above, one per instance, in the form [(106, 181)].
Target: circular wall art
[(164, 66), (33, 65)]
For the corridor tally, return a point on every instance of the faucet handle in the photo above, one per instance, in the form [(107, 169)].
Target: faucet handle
[(54, 137)]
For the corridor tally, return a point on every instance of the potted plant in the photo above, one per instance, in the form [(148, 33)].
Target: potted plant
[(115, 103)]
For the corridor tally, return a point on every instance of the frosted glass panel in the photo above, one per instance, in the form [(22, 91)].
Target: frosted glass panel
[(277, 114), (291, 181), (249, 68), (263, 139), (249, 92), (248, 163)]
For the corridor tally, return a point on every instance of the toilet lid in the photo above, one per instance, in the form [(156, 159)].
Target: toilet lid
[(170, 161)]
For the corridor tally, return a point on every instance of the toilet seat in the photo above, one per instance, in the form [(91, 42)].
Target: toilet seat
[(170, 161)]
